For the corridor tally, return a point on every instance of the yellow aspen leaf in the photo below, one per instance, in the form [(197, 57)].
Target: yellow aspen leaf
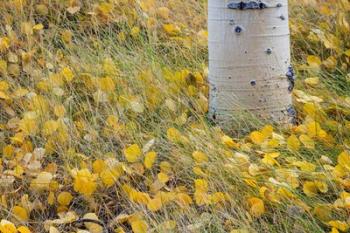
[(109, 67), (200, 157), (64, 198), (257, 137), (136, 168), (112, 121), (84, 182), (310, 109), (322, 186), (171, 29), (12, 57), (7, 227), (269, 158), (331, 42), (67, 74), (305, 166), (38, 27), (154, 204), (92, 227), (66, 36), (323, 212), (330, 62), (140, 197), (267, 131), (343, 201), (119, 230), (165, 166), (218, 197), (310, 189), (201, 185), (334, 230), (14, 70), (49, 127), (8, 151), (257, 207), (3, 69), (147, 5), (59, 110), (162, 177), (166, 197), (347, 52), (20, 92), (340, 171), (314, 61), (26, 28), (173, 135), (199, 172), (104, 8), (202, 198), (314, 81), (106, 84), (4, 86), (121, 36), (51, 198), (98, 166), (340, 225), (151, 22), (132, 153), (20, 213), (273, 143), (325, 10), (314, 130), (23, 229), (139, 226), (183, 199), (28, 126), (4, 96), (41, 9), (202, 36), (344, 160), (41, 182), (285, 193), (150, 158), (307, 141), (18, 138), (251, 182), (18, 171), (4, 44), (163, 12), (135, 31), (241, 158), (110, 176), (39, 104), (229, 142)]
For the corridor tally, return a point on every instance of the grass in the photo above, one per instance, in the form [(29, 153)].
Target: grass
[(86, 96)]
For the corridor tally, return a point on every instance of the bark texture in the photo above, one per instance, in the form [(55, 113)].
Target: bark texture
[(249, 59)]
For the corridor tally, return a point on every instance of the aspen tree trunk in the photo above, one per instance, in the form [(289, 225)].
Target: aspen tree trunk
[(249, 60)]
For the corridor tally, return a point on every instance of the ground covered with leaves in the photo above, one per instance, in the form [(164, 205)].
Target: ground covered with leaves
[(103, 124)]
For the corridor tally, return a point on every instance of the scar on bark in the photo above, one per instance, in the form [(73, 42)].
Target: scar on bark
[(247, 5), (250, 5), (291, 78)]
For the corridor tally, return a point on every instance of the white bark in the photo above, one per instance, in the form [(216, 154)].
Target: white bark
[(249, 57)]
